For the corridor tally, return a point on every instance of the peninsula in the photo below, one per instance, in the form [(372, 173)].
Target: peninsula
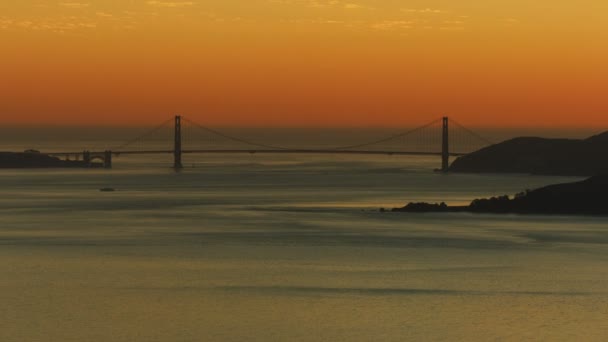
[(586, 197), (27, 160), (563, 157)]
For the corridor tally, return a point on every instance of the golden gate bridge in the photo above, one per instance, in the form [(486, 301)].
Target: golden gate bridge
[(443, 137)]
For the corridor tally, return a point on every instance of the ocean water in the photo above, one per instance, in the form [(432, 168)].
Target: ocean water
[(288, 248)]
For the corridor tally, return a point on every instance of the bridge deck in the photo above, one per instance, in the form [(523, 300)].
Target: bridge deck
[(291, 151)]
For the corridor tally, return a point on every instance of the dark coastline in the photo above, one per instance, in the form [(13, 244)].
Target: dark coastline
[(531, 155), (587, 197), (31, 160)]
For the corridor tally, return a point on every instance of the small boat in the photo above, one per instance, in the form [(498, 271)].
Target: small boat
[(107, 189)]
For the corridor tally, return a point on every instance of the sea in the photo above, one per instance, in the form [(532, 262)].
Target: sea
[(285, 247)]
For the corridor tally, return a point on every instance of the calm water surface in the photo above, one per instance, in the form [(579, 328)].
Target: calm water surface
[(289, 248)]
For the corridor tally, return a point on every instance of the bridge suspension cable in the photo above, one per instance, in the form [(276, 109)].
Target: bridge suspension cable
[(392, 137), (143, 136), (339, 148), (229, 137), (423, 139), (427, 139), (478, 136)]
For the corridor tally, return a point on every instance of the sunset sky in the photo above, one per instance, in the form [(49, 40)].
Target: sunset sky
[(305, 62)]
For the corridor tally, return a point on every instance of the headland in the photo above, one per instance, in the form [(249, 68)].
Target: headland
[(34, 159), (586, 197), (532, 155)]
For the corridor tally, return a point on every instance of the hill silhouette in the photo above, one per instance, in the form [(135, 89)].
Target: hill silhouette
[(23, 160), (565, 157), (587, 197)]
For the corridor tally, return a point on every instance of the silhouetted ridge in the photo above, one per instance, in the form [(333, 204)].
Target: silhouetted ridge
[(587, 197), (539, 156), (34, 160), (599, 138)]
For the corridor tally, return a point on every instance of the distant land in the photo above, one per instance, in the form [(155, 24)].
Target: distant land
[(587, 197), (560, 157), (22, 160)]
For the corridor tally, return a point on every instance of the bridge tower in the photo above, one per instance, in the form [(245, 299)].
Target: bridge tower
[(445, 145), (177, 146)]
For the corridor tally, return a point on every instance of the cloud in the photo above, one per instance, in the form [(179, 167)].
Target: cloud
[(451, 28), (104, 15), (57, 25), (171, 4), (5, 23), (25, 24), (74, 4), (453, 22), (422, 10), (510, 22), (316, 21), (393, 25), (322, 4), (355, 6)]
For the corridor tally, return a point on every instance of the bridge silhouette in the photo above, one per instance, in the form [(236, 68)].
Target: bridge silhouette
[(442, 137)]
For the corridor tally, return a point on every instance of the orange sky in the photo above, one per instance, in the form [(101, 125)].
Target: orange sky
[(305, 62)]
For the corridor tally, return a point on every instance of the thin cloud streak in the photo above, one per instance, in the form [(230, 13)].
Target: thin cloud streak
[(75, 5), (171, 4)]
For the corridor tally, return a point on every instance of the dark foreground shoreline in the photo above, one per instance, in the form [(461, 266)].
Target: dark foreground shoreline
[(588, 197)]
